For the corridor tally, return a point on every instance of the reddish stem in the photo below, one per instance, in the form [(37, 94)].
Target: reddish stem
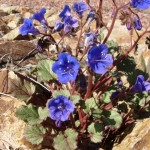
[(89, 88)]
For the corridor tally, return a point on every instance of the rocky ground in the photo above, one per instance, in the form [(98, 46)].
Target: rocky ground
[(14, 47)]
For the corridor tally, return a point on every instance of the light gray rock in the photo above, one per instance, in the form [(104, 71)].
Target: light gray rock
[(138, 139)]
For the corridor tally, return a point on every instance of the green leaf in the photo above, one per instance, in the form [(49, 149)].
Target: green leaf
[(96, 130), (66, 141), (45, 72), (112, 118), (105, 97), (96, 113), (31, 114), (61, 92), (25, 91), (34, 134), (43, 113), (90, 105), (77, 123), (75, 98)]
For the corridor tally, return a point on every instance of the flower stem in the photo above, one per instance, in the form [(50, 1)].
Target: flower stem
[(113, 23), (89, 88), (76, 50), (72, 121)]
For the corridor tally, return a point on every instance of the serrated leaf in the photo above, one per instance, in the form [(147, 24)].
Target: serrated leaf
[(97, 113), (25, 91), (105, 97), (96, 130), (34, 134), (112, 118), (44, 70), (91, 104), (31, 114), (43, 113), (60, 92), (66, 141), (75, 98)]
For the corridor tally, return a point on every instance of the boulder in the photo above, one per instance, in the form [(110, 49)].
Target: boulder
[(138, 139)]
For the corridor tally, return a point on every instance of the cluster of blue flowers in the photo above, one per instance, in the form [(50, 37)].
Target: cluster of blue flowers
[(67, 66), (28, 26)]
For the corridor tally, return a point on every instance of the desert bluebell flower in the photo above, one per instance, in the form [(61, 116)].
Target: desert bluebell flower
[(141, 85), (66, 68), (80, 7), (58, 26), (90, 39), (60, 109), (98, 59), (28, 27), (141, 4), (65, 12), (70, 22), (39, 16)]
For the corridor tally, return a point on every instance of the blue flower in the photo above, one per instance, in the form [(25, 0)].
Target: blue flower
[(28, 27), (141, 85), (90, 39), (80, 7), (141, 4), (39, 16), (66, 68), (65, 12), (70, 23), (58, 26), (98, 59), (60, 109)]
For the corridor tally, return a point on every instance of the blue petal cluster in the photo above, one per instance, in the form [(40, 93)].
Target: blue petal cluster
[(141, 85), (68, 21), (141, 4), (28, 27), (60, 109), (66, 68), (98, 59), (90, 39), (39, 16), (65, 12), (80, 7)]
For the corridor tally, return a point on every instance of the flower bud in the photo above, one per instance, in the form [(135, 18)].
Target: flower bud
[(137, 23)]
